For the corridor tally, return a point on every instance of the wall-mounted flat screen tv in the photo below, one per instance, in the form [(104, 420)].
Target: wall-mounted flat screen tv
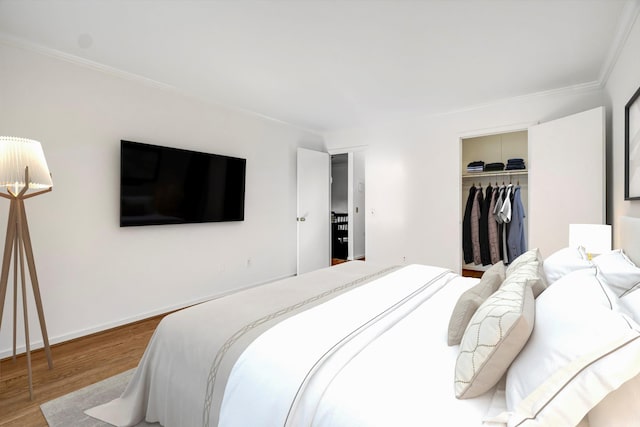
[(163, 185)]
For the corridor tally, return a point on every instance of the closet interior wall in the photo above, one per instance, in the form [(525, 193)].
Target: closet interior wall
[(491, 149)]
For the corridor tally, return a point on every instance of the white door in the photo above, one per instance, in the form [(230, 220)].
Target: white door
[(314, 210), (566, 178)]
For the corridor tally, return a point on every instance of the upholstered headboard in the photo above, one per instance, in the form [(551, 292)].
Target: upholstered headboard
[(630, 237)]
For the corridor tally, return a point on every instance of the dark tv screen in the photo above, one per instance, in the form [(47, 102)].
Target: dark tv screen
[(163, 185)]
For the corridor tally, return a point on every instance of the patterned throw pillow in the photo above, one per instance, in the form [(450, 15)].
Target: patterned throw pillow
[(496, 333)]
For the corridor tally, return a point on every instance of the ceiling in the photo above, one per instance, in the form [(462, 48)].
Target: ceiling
[(332, 64)]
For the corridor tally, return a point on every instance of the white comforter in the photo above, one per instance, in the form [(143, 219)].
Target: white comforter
[(376, 356)]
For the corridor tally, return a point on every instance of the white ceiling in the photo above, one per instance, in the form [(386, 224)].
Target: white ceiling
[(326, 65)]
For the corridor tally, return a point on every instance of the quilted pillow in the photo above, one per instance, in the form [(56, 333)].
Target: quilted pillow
[(563, 262), (496, 333), (581, 349), (471, 299), (620, 273)]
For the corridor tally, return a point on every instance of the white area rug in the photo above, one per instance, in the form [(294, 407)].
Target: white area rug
[(68, 410)]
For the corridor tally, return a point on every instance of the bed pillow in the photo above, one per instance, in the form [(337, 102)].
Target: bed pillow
[(631, 303), (526, 258), (563, 262), (581, 349), (496, 333), (529, 266), (620, 273), (471, 299)]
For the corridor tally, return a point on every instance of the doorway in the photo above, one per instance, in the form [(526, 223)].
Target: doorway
[(339, 208), (347, 207)]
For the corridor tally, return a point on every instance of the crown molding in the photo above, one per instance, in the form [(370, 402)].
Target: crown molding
[(581, 87), (83, 62), (116, 72), (627, 20)]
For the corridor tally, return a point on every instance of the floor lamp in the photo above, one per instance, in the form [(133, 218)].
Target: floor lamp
[(24, 174)]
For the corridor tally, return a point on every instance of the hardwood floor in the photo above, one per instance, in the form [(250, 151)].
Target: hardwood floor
[(76, 364)]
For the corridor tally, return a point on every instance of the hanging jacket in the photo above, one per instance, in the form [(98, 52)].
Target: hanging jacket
[(476, 211), (485, 254), (467, 246)]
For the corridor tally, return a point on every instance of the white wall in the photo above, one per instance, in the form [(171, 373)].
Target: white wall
[(623, 82), (94, 274), (413, 173)]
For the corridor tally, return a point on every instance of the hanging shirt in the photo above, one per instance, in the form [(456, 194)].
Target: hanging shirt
[(498, 205), (516, 243), (494, 238), (505, 210)]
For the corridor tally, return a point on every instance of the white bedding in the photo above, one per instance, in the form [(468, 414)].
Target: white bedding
[(396, 371), (394, 368)]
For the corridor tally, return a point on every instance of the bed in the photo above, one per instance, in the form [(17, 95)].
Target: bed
[(544, 341)]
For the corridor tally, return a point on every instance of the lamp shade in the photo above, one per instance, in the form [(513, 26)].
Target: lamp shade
[(595, 238), (15, 155)]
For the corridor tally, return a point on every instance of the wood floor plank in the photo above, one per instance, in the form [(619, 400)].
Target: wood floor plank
[(76, 364)]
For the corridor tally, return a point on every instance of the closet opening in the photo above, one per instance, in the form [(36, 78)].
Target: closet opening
[(494, 200)]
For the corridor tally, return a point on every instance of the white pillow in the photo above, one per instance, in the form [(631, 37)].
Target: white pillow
[(580, 350), (496, 333), (564, 262), (631, 303), (620, 273)]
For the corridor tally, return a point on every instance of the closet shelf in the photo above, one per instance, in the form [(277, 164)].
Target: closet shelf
[(518, 172)]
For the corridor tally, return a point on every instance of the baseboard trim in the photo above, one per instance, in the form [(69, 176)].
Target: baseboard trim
[(36, 345)]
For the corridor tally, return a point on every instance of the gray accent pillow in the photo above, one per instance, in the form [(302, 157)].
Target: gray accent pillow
[(471, 299)]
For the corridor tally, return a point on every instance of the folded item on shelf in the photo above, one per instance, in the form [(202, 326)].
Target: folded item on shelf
[(475, 166), (515, 164), (515, 167), (492, 167)]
